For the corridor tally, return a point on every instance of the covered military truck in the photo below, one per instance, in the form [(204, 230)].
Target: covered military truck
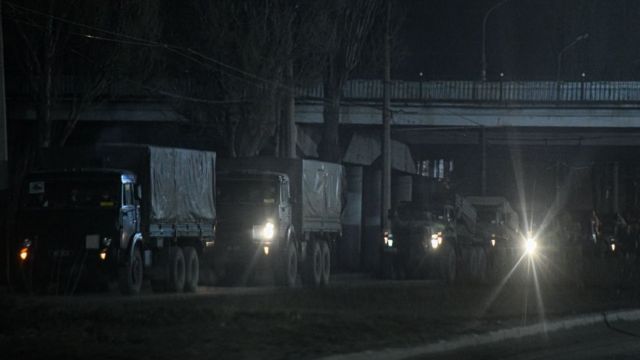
[(434, 236), (120, 212), (285, 213), (498, 225)]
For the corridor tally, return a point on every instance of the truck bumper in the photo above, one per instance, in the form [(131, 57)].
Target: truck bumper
[(62, 271)]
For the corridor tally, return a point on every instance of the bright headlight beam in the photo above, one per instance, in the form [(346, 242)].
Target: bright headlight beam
[(530, 246), (268, 231)]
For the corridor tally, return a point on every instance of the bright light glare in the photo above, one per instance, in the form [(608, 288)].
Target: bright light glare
[(24, 254), (613, 247), (268, 231), (530, 245), (493, 242), (435, 243), (266, 250)]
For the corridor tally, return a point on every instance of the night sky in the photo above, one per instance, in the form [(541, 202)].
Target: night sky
[(442, 38)]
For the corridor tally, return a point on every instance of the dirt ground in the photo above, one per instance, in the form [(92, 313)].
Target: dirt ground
[(272, 323)]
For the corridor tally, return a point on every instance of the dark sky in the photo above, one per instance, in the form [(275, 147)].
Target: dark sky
[(442, 38)]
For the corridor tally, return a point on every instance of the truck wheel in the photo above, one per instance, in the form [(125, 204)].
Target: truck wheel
[(130, 274), (287, 271), (313, 265), (448, 265), (175, 270), (192, 266), (326, 263)]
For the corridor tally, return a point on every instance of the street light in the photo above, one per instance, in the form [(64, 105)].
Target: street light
[(571, 44), (483, 75)]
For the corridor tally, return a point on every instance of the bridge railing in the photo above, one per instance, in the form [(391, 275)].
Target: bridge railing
[(625, 92), (492, 92)]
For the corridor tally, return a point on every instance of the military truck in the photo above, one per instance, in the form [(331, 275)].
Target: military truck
[(117, 212), (434, 236), (499, 226), (278, 214)]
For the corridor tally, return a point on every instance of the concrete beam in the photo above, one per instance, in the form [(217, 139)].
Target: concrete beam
[(465, 116)]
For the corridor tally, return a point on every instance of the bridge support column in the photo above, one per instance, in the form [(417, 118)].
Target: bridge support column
[(4, 153), (616, 187), (483, 164)]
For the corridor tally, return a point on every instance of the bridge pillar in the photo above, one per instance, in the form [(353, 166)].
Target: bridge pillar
[(4, 153), (483, 154)]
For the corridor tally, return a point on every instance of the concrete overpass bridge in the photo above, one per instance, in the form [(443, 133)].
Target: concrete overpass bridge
[(585, 113)]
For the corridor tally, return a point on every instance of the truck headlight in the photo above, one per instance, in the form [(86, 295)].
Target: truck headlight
[(268, 231), (530, 245), (613, 247), (436, 240), (23, 253), (388, 238), (264, 232)]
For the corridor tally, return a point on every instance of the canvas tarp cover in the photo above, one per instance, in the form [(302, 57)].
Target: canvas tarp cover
[(322, 191), (181, 185), (498, 202)]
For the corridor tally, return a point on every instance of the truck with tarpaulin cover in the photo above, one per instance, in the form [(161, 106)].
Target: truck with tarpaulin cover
[(498, 224), (283, 214), (434, 236), (117, 211)]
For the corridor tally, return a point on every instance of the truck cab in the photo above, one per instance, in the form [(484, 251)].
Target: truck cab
[(421, 241), (78, 225), (255, 216)]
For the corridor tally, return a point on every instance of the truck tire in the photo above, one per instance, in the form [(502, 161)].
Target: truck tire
[(192, 267), (131, 273), (326, 263), (448, 265), (175, 270), (287, 270), (313, 265)]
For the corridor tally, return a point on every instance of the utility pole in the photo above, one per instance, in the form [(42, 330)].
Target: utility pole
[(291, 129), (386, 124), (4, 152)]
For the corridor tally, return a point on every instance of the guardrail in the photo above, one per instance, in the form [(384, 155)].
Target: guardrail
[(499, 91), (614, 92)]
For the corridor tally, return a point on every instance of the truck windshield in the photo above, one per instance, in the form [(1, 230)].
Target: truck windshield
[(255, 191), (67, 193)]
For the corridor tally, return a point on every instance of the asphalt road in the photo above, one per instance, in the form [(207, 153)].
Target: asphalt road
[(620, 340), (355, 313)]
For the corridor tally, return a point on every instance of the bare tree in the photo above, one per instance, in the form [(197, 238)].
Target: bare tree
[(232, 71), (61, 41), (352, 24)]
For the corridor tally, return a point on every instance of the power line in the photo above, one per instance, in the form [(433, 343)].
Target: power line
[(187, 53), (133, 40)]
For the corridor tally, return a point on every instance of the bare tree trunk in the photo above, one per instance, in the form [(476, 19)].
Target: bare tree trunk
[(45, 126), (290, 110), (330, 147)]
